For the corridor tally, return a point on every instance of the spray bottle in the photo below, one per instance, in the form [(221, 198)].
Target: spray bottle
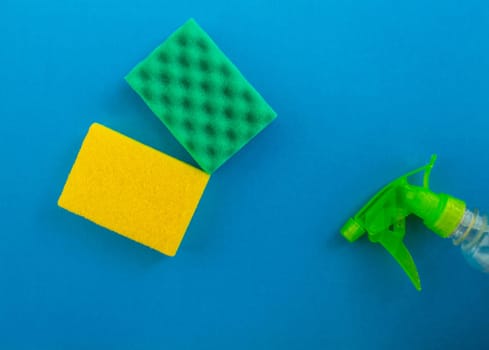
[(383, 218)]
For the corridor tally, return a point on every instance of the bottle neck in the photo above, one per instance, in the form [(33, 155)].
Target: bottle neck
[(470, 229)]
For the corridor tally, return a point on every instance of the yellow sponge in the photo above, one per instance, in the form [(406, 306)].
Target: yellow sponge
[(133, 189)]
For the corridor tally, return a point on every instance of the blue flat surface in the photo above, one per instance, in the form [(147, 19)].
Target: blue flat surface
[(365, 91)]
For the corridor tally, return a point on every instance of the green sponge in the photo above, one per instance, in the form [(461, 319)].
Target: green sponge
[(203, 99)]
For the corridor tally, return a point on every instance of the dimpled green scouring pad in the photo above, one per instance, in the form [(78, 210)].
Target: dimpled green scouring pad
[(203, 99)]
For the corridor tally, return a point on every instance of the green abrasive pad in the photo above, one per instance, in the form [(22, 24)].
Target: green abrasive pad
[(202, 98)]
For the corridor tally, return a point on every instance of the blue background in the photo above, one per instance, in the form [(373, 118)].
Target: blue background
[(365, 91)]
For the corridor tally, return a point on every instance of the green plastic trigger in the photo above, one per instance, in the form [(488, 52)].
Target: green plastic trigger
[(383, 218)]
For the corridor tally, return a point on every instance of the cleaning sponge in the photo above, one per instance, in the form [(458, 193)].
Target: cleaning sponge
[(133, 189), (201, 97)]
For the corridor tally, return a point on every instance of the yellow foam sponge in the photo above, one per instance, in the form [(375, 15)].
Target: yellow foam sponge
[(133, 189)]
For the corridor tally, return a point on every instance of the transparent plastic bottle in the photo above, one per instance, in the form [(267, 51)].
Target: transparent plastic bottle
[(472, 234)]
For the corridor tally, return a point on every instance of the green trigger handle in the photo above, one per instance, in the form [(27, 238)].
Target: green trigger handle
[(383, 218)]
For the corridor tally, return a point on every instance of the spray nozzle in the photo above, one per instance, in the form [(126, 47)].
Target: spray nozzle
[(383, 218)]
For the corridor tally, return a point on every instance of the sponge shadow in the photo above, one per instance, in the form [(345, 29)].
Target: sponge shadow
[(101, 241), (204, 226)]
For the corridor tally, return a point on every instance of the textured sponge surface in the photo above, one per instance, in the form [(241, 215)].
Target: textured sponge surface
[(133, 189), (201, 97)]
